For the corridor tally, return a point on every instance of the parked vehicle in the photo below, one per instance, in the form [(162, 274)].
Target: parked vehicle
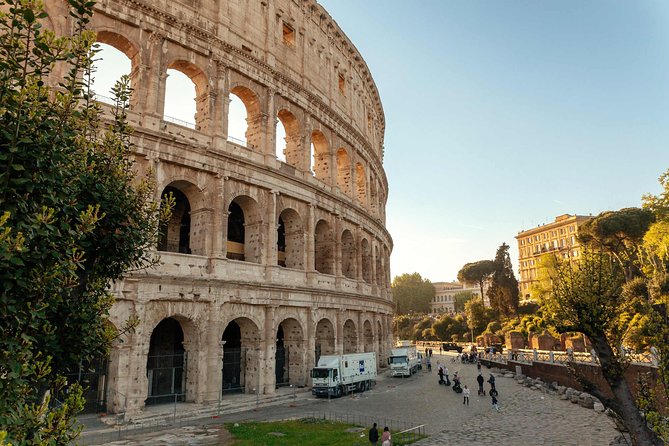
[(451, 346), (404, 360), (336, 375)]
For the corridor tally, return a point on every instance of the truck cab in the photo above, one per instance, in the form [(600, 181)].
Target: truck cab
[(326, 381)]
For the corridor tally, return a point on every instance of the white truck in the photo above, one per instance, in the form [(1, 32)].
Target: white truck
[(336, 375), (405, 360)]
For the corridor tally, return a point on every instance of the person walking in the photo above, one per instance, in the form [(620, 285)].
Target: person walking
[(374, 435), (480, 380), (429, 364), (386, 438), (495, 404), (448, 383), (465, 395), (491, 380)]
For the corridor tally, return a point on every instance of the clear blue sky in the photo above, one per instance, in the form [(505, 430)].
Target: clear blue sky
[(502, 115)]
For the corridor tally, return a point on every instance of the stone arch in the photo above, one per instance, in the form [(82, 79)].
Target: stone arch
[(177, 233), (131, 51), (252, 106), (373, 195), (361, 184), (292, 146), (290, 240), (368, 336), (350, 337), (244, 227), (201, 89), (241, 367), (166, 366), (343, 171), (366, 260), (348, 254), (290, 353), (325, 339), (320, 155), (323, 246)]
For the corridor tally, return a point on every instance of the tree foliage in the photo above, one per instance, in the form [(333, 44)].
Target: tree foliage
[(478, 317), (461, 299), (477, 272), (588, 296), (72, 219), (412, 293), (503, 292), (619, 233)]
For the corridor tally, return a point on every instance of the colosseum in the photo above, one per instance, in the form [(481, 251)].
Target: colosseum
[(268, 260)]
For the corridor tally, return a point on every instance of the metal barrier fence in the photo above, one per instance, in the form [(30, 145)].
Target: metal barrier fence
[(403, 432), (561, 357)]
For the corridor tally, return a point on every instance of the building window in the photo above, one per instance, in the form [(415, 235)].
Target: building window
[(288, 35), (342, 84)]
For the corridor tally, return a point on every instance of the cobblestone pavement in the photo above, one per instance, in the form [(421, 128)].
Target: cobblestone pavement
[(526, 417)]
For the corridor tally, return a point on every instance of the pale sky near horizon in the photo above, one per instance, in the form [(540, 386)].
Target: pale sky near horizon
[(501, 116)]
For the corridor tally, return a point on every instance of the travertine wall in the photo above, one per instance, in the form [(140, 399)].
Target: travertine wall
[(329, 288)]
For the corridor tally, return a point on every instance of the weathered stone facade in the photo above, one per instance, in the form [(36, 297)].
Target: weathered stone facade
[(265, 264)]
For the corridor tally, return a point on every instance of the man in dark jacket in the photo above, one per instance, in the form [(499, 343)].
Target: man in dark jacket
[(374, 435), (479, 379), (491, 380)]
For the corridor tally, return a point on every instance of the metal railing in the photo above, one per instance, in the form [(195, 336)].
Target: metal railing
[(560, 357), (240, 142), (181, 122), (403, 432)]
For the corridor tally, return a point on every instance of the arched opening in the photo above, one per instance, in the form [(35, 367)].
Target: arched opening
[(368, 336), (244, 123), (348, 254), (343, 171), (289, 358), (323, 243), (111, 62), (288, 141), (290, 240), (366, 261), (320, 162), (360, 182), (240, 361), (236, 232), (243, 230), (325, 339), (180, 93), (165, 366), (175, 233), (350, 337)]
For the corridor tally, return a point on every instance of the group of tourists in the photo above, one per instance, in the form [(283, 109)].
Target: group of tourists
[(457, 387)]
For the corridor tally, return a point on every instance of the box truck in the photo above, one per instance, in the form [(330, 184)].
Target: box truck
[(404, 359), (336, 375)]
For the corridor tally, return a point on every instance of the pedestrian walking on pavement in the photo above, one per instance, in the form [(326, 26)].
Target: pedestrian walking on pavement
[(491, 380), (495, 404), (374, 435), (448, 383), (441, 374), (465, 395), (429, 364), (386, 438), (480, 380)]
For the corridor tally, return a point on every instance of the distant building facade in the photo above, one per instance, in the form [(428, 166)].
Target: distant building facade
[(444, 295), (560, 236)]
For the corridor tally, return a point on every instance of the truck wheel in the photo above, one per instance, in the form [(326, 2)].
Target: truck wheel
[(339, 392)]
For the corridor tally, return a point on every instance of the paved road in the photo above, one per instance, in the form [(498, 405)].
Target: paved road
[(526, 417)]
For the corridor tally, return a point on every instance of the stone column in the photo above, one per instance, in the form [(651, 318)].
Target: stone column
[(268, 375), (361, 332), (217, 229), (339, 336), (337, 246), (271, 253), (358, 253), (310, 359), (270, 128), (311, 245), (305, 163)]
